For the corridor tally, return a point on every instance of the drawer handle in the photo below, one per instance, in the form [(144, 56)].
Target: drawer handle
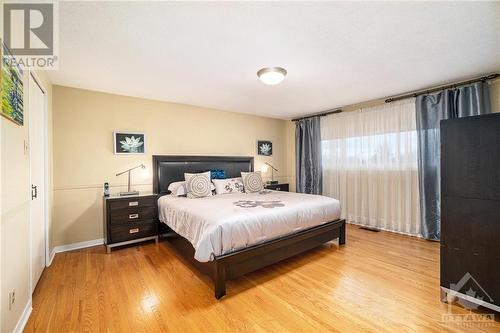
[(133, 216), (133, 203), (278, 188), (133, 231)]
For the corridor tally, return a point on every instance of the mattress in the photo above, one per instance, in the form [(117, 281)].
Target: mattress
[(221, 224)]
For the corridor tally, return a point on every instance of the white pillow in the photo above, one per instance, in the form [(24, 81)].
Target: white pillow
[(179, 189), (198, 185), (230, 185), (252, 181)]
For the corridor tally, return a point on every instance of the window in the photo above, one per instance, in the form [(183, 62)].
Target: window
[(369, 161)]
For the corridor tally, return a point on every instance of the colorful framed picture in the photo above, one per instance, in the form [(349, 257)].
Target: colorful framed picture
[(264, 148), (129, 143), (11, 88)]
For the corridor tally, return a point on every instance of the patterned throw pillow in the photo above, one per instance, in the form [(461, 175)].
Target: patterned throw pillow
[(226, 186), (252, 181), (178, 189), (198, 185)]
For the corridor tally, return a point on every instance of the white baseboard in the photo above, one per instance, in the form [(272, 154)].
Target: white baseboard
[(76, 246), (383, 229), (51, 256), (24, 318), (73, 246)]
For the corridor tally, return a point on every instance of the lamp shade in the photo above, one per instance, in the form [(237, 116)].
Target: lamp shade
[(271, 75)]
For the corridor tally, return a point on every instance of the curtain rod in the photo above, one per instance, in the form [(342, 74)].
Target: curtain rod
[(439, 88), (322, 114), (411, 94)]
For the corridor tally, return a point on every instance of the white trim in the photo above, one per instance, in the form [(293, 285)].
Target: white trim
[(79, 245), (51, 257), (453, 293), (383, 229), (34, 76), (24, 318), (46, 162)]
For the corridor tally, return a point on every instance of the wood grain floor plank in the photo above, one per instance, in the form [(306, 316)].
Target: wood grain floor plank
[(378, 282)]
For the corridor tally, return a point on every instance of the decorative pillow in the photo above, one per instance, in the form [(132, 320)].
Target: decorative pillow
[(217, 174), (252, 181), (231, 185), (198, 185), (178, 188)]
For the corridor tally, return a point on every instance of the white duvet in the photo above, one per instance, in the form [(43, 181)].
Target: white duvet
[(223, 223)]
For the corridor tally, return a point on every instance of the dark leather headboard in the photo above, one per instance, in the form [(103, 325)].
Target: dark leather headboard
[(168, 169)]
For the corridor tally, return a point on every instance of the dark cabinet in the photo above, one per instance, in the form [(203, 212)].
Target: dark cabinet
[(470, 208), (130, 219)]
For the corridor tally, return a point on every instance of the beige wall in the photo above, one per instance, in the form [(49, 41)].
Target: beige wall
[(84, 122), (14, 219), (14, 205)]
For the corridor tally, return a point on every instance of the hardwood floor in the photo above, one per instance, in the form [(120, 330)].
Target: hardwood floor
[(378, 282)]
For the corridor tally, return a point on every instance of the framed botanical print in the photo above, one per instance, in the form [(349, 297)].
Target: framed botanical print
[(11, 87), (264, 148), (129, 143)]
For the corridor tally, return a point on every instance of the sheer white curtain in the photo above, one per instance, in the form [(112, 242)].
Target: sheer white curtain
[(369, 159)]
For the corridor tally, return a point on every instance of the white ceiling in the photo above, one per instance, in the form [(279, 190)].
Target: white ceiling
[(336, 53)]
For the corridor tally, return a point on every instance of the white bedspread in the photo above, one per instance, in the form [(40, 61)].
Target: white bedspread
[(224, 223)]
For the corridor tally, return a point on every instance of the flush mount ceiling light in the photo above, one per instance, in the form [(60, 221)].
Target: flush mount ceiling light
[(271, 75)]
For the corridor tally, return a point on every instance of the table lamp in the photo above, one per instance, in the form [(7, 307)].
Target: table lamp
[(265, 167), (129, 192)]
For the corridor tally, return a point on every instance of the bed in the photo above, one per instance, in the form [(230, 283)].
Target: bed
[(229, 235)]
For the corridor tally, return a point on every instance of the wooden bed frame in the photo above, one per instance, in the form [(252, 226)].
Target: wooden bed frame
[(167, 169)]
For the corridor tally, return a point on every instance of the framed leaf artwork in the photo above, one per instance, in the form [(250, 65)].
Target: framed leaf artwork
[(11, 88), (129, 143), (264, 148)]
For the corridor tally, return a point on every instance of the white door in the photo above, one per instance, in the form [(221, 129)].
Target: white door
[(37, 161)]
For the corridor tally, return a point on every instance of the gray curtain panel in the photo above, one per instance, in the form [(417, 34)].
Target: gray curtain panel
[(430, 110), (308, 155)]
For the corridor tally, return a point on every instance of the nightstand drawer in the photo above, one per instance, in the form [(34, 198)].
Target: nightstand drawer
[(278, 187), (132, 202), (131, 231), (132, 214)]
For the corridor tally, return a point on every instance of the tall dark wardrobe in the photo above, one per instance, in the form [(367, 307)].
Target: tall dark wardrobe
[(470, 209)]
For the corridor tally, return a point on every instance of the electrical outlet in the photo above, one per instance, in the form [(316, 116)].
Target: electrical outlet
[(12, 298)]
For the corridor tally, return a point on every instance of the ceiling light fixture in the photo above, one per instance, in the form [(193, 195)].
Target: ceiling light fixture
[(271, 75)]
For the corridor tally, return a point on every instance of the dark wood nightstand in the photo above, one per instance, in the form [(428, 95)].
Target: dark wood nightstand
[(277, 187), (130, 219)]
